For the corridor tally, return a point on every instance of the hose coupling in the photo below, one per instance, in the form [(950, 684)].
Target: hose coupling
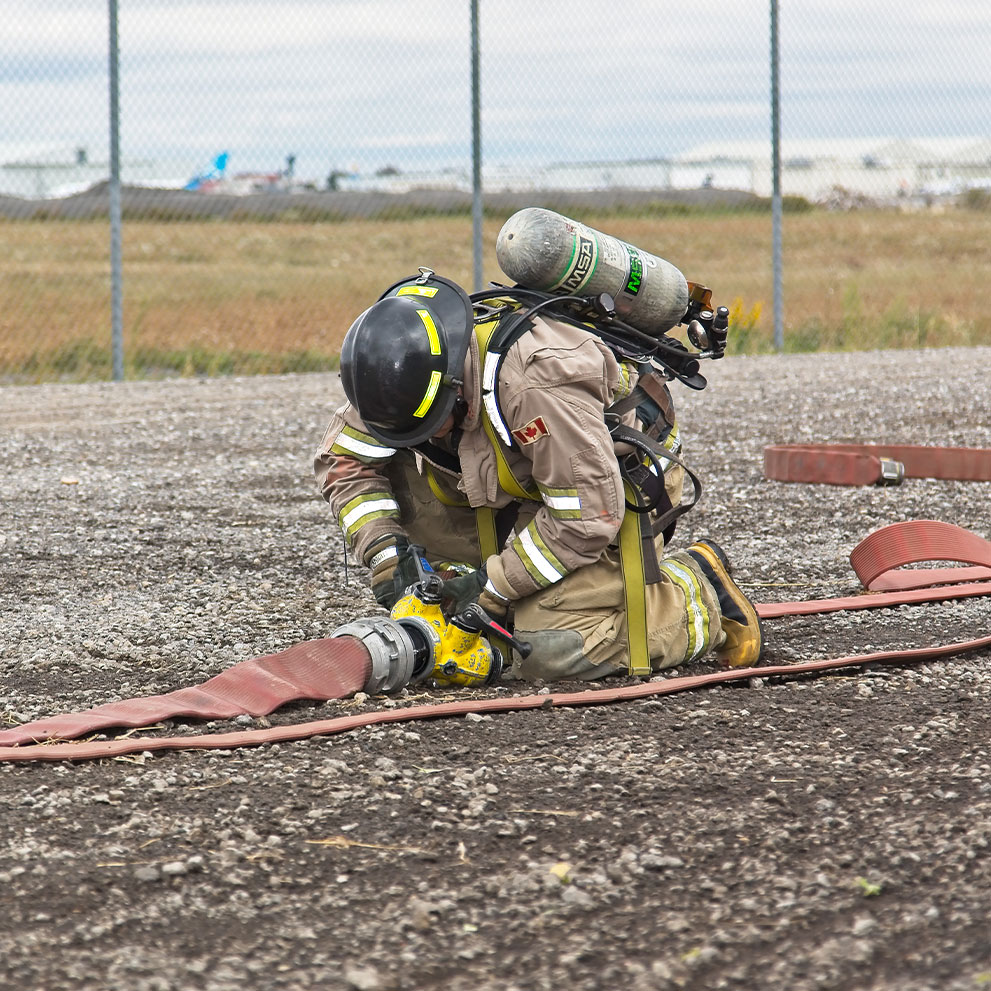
[(390, 648)]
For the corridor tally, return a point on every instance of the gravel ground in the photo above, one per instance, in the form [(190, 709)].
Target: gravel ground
[(813, 833)]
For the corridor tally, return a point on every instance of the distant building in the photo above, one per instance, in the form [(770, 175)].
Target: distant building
[(879, 168), (876, 169), (53, 171)]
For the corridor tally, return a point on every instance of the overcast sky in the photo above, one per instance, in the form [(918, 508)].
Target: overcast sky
[(366, 83)]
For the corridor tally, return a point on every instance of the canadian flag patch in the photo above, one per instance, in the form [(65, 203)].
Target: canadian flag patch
[(534, 430)]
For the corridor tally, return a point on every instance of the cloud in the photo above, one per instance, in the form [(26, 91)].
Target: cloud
[(365, 81)]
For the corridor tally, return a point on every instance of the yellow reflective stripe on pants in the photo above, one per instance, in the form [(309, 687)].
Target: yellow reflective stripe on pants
[(697, 616)]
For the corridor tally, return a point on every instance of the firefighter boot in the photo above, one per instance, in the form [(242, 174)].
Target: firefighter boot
[(740, 622)]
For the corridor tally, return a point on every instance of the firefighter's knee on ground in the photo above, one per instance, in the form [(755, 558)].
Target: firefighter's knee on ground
[(556, 655)]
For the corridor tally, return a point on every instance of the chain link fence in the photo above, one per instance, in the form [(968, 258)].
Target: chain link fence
[(280, 164)]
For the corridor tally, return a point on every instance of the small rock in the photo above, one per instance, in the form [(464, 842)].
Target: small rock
[(576, 896), (364, 978), (660, 861)]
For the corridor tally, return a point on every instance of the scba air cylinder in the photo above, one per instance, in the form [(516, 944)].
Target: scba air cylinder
[(540, 249)]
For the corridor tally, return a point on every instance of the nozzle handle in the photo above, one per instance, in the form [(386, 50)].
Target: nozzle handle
[(474, 617), (427, 583)]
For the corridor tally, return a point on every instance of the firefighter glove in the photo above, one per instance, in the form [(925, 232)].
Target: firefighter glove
[(476, 587), (393, 564)]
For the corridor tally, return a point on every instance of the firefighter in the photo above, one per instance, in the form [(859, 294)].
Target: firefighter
[(502, 465)]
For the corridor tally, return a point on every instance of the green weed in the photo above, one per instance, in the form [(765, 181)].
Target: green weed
[(86, 361), (868, 889)]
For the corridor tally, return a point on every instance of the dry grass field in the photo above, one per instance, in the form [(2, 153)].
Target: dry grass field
[(214, 297)]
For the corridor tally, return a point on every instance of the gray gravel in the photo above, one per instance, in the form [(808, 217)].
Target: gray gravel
[(809, 833)]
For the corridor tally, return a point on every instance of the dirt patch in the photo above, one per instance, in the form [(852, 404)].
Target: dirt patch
[(828, 832)]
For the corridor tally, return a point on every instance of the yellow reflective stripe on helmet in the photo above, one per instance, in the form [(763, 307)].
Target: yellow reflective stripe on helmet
[(698, 620), (539, 560), (432, 335), (417, 291), (428, 399), (563, 504), (362, 446), (364, 508)]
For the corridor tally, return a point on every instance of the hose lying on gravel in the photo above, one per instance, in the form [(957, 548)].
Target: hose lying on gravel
[(338, 667)]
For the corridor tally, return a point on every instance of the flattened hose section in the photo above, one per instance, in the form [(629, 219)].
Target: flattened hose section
[(877, 556), (315, 669)]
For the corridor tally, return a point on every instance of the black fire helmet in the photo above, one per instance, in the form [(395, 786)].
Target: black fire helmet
[(402, 360)]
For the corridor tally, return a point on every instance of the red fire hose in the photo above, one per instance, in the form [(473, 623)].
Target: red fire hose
[(339, 666), (601, 696), (869, 464), (314, 669)]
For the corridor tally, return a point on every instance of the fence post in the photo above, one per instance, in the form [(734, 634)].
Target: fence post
[(476, 152), (116, 279), (779, 330)]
